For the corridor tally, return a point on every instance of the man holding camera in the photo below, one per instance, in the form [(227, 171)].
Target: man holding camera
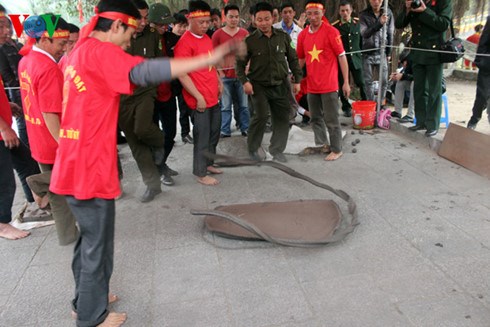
[(429, 20)]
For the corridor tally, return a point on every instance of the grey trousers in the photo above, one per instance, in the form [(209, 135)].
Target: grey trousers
[(207, 126), (93, 258), (63, 218), (324, 110), (368, 62), (401, 87)]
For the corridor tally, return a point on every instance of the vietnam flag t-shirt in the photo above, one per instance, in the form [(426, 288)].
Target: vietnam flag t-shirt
[(206, 79), (96, 74), (320, 51)]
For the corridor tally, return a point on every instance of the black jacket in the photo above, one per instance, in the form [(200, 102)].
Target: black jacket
[(483, 62), (371, 30)]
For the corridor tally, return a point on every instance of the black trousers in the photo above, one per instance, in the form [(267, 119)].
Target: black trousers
[(93, 258), (18, 158), (482, 95), (166, 113), (184, 117), (207, 126)]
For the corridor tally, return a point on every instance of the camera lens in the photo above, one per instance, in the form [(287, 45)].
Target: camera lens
[(415, 4)]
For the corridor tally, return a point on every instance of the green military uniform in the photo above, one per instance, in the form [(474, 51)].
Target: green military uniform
[(428, 31), (136, 112), (352, 41), (269, 58)]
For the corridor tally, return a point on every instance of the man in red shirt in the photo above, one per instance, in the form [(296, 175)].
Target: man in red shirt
[(98, 72), (201, 91), (320, 48), (41, 83), (232, 87)]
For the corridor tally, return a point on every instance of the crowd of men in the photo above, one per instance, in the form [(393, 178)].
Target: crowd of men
[(134, 68)]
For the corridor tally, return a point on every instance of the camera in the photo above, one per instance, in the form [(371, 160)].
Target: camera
[(415, 4)]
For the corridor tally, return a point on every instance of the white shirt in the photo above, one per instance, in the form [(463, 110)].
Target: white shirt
[(294, 33)]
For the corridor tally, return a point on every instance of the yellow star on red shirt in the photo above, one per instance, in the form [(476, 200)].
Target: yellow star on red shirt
[(315, 54)]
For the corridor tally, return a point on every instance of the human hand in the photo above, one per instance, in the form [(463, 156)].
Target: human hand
[(248, 88), (301, 21), (201, 104), (10, 138), (239, 48), (383, 19), (346, 89), (296, 88), (16, 109)]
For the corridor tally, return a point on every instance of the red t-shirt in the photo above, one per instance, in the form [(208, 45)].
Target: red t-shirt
[(206, 79), (5, 112), (96, 74), (41, 84), (321, 50), (220, 37), (62, 63)]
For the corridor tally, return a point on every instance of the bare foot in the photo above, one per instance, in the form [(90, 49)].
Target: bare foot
[(11, 233), (208, 180), (214, 170), (333, 156), (112, 298), (114, 319)]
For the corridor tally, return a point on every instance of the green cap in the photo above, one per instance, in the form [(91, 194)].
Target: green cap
[(160, 14)]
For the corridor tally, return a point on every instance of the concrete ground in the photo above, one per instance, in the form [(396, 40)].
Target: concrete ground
[(420, 256)]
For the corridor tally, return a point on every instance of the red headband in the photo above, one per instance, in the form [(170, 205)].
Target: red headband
[(114, 15), (199, 13), (314, 6), (58, 34)]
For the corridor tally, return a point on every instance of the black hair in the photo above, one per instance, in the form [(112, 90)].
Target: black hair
[(263, 6), (72, 28), (183, 11), (315, 1), (215, 12), (231, 7), (196, 5), (478, 28), (141, 4), (285, 5), (60, 25), (180, 19), (252, 11), (2, 8), (345, 3), (123, 6)]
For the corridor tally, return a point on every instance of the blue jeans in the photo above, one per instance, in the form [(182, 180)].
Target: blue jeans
[(233, 93)]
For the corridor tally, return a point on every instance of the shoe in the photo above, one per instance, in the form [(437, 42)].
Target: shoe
[(188, 139), (167, 171), (167, 180), (430, 132), (347, 111), (149, 195), (472, 124), (280, 157), (244, 134), (254, 156), (222, 136), (416, 128), (405, 119), (395, 114)]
